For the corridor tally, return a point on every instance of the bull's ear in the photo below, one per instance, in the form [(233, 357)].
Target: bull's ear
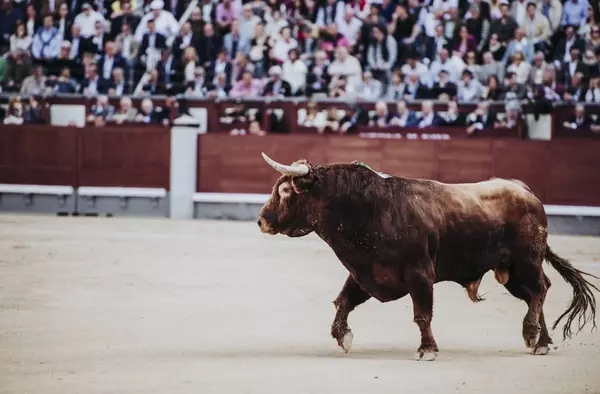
[(304, 184)]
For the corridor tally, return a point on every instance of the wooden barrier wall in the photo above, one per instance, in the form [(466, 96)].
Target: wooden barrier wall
[(561, 172), (127, 156)]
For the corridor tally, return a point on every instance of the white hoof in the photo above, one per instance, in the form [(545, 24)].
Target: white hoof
[(347, 341), (541, 350), (425, 356)]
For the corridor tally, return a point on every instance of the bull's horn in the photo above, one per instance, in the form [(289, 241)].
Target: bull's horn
[(294, 170)]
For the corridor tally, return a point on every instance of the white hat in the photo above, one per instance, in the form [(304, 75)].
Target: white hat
[(157, 5)]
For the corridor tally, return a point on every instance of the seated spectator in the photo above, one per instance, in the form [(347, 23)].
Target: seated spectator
[(234, 43), (35, 83), (149, 114), (124, 13), (20, 39), (126, 112), (562, 52), (520, 67), (396, 88), (32, 20), (209, 46), (413, 65), (428, 118), (98, 40), (490, 67), (117, 86), (153, 86), (444, 62), (519, 44), (276, 86), (164, 23), (580, 120), (10, 18), (186, 67), (513, 117), (477, 24), (403, 117), (576, 91), (537, 69), (453, 117), (495, 47), (311, 116), (283, 45), (101, 108), (464, 42), (235, 70), (294, 71), (592, 95), (349, 26), (126, 44), (18, 68), (14, 115), (63, 60), (346, 65), (469, 89), (592, 61), (86, 21), (65, 83), (33, 112), (248, 23), (536, 26), (594, 40), (443, 89), (382, 117), (330, 12), (369, 88), (198, 86), (552, 10), (382, 54), (247, 87), (512, 89), (435, 44), (414, 89), (572, 67), (186, 39), (492, 91), (79, 44), (110, 61), (318, 78), (274, 24), (259, 49), (220, 87), (227, 12), (574, 13), (504, 27), (481, 118), (332, 121), (340, 88), (92, 85), (46, 41), (151, 43), (471, 65)]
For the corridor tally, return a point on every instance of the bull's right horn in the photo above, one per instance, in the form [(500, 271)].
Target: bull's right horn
[(294, 170)]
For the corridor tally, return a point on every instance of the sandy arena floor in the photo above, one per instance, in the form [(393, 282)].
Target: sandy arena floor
[(154, 306)]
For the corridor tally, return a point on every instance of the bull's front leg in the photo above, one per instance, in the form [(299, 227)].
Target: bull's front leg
[(351, 296), (421, 292)]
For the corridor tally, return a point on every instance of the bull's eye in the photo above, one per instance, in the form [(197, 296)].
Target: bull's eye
[(286, 190)]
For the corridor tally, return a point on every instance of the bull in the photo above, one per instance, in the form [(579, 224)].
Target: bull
[(399, 236)]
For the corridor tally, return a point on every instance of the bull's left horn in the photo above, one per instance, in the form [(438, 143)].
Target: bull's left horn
[(294, 170)]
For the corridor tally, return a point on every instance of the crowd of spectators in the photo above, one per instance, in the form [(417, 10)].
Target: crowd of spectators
[(462, 50)]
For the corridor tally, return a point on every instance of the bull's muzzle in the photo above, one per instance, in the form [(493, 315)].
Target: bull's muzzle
[(265, 223)]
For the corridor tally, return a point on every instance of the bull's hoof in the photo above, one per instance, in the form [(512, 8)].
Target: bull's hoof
[(541, 350), (425, 354), (346, 342)]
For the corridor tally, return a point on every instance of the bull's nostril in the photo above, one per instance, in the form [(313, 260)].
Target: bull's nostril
[(259, 223)]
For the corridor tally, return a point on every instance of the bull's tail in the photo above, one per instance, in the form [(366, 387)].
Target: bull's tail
[(583, 305)]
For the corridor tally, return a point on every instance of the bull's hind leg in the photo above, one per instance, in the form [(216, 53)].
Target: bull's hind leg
[(421, 292), (528, 282), (351, 296)]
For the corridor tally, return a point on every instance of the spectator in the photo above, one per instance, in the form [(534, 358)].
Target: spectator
[(78, 44), (435, 45), (330, 12), (332, 121), (519, 44), (340, 88), (87, 20), (64, 22), (496, 48), (536, 27), (152, 42), (46, 42), (465, 42), (10, 18), (428, 117), (294, 71), (369, 88), (477, 25), (382, 54), (209, 47), (576, 90), (33, 112), (414, 65), (594, 41), (91, 86), (220, 87), (552, 10), (18, 69), (574, 13), (227, 12), (490, 67), (562, 52), (240, 65), (396, 88), (247, 87), (259, 49), (148, 114), (414, 89), (538, 68), (592, 95), (453, 117), (572, 67), (198, 86), (248, 23), (126, 44), (15, 112), (35, 83), (513, 90), (580, 120), (443, 62), (64, 83), (165, 23), (493, 90), (518, 11), (109, 61), (20, 39), (403, 116), (381, 116), (504, 27), (117, 86), (234, 43), (153, 86), (102, 108), (513, 116), (311, 116), (349, 26), (186, 38), (284, 44), (520, 67), (471, 65), (346, 65), (98, 40), (189, 63), (176, 8), (275, 24), (318, 78), (469, 89), (444, 89), (33, 21), (481, 118), (276, 86), (126, 112)]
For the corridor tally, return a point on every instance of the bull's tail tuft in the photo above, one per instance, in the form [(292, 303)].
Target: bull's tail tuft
[(583, 305)]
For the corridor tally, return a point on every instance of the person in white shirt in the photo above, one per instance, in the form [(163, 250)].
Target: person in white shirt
[(520, 67), (87, 19), (164, 22), (370, 88), (414, 65), (284, 44), (346, 65), (469, 89), (294, 71), (349, 26), (46, 41), (248, 23)]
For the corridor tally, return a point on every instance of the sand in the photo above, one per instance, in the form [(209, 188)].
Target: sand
[(113, 305)]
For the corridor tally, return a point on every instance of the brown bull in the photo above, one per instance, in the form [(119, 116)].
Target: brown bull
[(399, 236)]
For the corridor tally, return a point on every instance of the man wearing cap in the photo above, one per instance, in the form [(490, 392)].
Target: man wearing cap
[(86, 20), (164, 22)]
